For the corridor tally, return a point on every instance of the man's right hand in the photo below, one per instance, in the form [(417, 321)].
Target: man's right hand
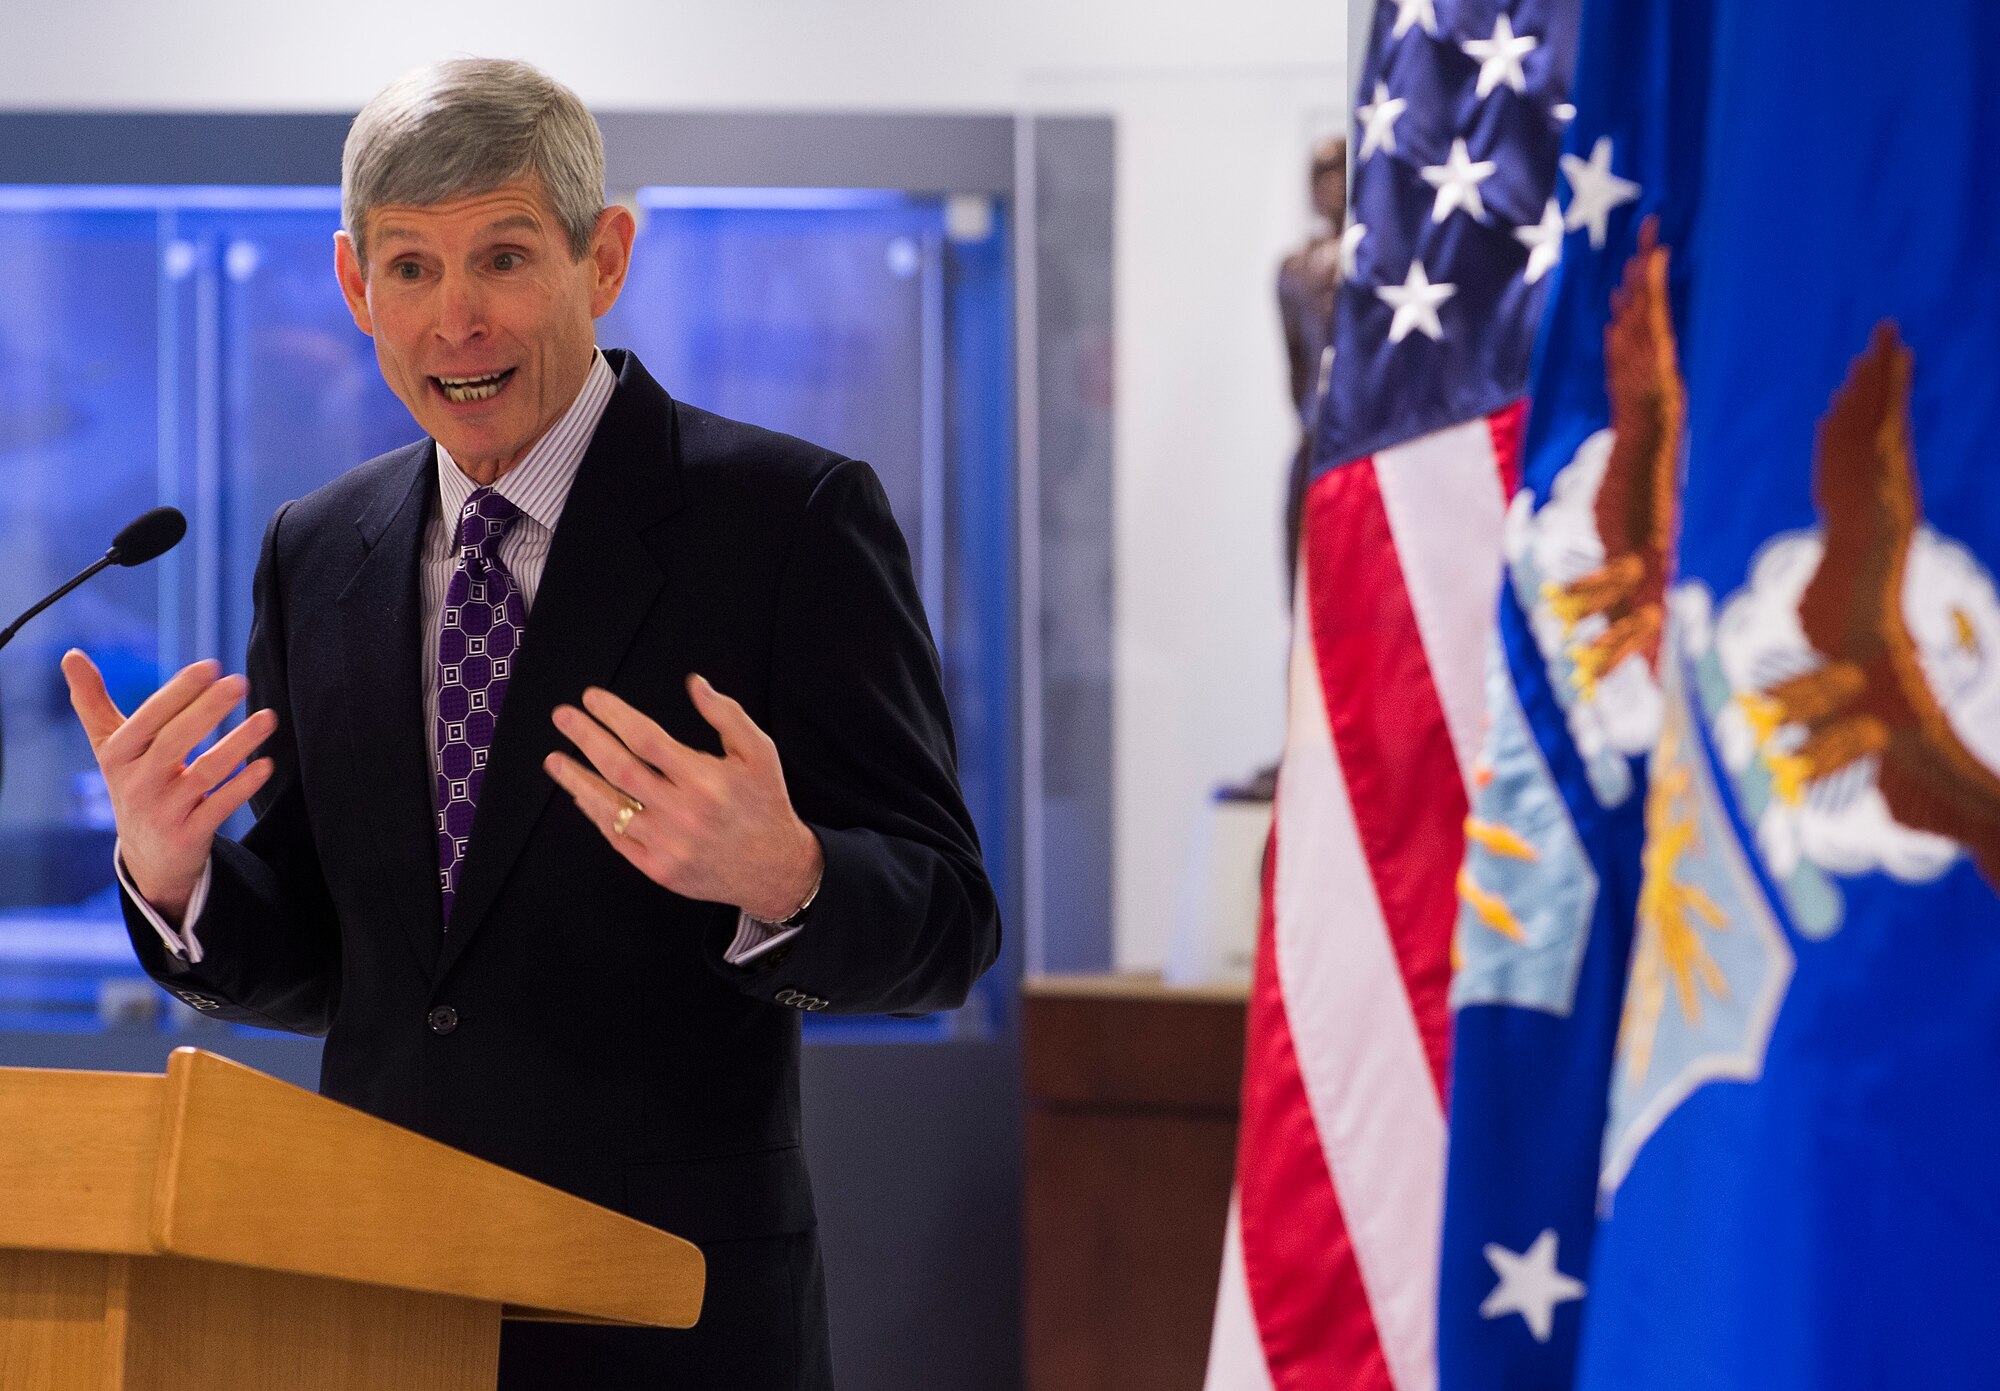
[(168, 809)]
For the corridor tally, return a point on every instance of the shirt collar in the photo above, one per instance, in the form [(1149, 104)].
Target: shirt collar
[(539, 485)]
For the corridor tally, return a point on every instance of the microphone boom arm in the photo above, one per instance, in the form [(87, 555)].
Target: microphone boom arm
[(7, 633)]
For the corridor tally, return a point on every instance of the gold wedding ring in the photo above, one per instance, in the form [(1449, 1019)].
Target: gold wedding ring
[(623, 819)]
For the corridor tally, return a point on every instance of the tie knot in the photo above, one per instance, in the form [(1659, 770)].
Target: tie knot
[(485, 518)]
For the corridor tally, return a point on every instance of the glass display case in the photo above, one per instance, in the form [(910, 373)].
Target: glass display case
[(188, 345)]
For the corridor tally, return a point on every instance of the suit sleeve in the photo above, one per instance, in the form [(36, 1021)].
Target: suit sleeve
[(270, 938), (905, 920)]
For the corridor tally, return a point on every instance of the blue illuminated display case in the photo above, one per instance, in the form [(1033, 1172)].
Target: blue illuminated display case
[(187, 344)]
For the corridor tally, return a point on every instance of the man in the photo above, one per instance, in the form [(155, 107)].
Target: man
[(553, 593)]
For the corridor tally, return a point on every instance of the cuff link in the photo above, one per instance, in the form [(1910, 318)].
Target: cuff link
[(799, 999)]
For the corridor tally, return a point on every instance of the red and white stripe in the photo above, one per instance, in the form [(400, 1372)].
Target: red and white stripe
[(1330, 1278)]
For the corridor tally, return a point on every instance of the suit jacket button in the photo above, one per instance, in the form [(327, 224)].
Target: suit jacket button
[(443, 1019)]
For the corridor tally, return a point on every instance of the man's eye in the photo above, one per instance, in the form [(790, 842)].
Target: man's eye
[(507, 260), (406, 270)]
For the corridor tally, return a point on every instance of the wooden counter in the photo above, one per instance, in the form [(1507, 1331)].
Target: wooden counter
[(1132, 1096)]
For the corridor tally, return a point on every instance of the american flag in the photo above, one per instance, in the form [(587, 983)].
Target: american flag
[(1330, 1271)]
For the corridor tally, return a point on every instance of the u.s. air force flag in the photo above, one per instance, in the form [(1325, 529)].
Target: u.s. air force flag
[(1796, 1186), (1573, 708)]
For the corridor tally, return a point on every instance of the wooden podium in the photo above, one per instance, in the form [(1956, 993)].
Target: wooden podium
[(216, 1227)]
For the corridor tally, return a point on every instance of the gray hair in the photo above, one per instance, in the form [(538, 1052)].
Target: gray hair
[(465, 127)]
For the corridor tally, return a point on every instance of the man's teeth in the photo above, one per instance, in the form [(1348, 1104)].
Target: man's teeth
[(462, 389)]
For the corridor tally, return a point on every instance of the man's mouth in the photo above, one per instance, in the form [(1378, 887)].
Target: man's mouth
[(461, 390)]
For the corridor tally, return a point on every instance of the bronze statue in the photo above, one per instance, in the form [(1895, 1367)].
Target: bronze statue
[(1307, 280)]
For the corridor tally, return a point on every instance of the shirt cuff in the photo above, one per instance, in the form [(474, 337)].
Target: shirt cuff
[(181, 943), (754, 937)]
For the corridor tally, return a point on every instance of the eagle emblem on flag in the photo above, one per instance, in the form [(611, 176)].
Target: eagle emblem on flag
[(1863, 658), (1852, 694), (1589, 570)]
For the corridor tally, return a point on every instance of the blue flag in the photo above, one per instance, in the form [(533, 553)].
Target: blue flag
[(1797, 1170), (1573, 709)]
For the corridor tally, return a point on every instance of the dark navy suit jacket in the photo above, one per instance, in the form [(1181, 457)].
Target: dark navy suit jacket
[(576, 1022)]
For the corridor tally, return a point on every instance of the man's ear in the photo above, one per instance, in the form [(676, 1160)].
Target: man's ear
[(611, 254), (353, 282)]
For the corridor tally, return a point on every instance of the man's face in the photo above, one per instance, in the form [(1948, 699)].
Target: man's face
[(481, 318)]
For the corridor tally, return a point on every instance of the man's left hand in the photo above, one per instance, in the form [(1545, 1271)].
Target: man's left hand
[(718, 829)]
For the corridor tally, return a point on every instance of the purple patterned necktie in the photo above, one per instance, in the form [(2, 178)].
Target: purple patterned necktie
[(483, 621)]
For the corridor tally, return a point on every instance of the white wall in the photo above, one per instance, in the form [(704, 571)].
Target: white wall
[(1217, 104), (238, 54)]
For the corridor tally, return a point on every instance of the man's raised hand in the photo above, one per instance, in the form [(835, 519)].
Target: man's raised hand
[(718, 829), (167, 808)]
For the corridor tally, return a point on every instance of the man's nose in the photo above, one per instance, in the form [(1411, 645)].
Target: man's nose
[(461, 310)]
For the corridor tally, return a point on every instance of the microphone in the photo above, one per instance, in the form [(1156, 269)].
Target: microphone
[(147, 537), (144, 538)]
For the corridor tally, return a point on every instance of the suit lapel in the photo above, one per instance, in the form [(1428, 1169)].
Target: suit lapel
[(382, 644), (600, 583)]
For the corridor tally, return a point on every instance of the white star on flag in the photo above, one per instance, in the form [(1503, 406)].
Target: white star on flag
[(1544, 242), (1530, 1285), (1378, 121), (1457, 183), (1594, 190), (1350, 247), (1500, 57), (1410, 12), (1416, 303)]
